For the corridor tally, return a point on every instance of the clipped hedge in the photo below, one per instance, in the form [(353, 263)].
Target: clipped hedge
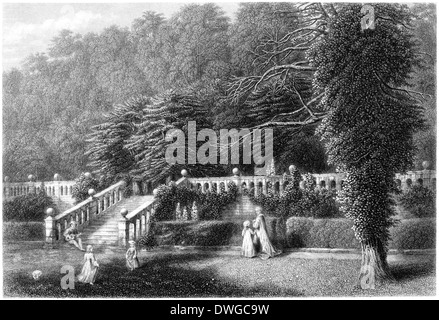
[(337, 233), (417, 233), (320, 233), (29, 207), (23, 231), (195, 233)]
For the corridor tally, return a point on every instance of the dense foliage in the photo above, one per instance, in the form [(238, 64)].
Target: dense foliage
[(29, 207), (337, 233), (420, 201), (172, 200), (82, 185), (296, 202), (371, 120)]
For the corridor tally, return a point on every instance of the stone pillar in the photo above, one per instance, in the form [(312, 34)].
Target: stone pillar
[(32, 188), (264, 186), (138, 228), (50, 230), (124, 228), (105, 203), (338, 183)]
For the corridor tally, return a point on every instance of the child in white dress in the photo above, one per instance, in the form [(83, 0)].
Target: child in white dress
[(248, 249), (89, 268), (131, 256)]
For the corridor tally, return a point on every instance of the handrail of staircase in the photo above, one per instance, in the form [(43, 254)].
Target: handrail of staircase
[(83, 212), (137, 223)]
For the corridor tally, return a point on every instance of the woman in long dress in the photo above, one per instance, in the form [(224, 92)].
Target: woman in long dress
[(89, 268), (248, 249), (267, 250)]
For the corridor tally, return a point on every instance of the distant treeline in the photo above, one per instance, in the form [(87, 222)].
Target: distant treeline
[(51, 103)]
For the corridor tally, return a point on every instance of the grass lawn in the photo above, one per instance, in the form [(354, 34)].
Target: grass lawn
[(191, 273)]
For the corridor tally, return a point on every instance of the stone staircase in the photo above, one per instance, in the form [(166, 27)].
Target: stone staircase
[(239, 211), (103, 231)]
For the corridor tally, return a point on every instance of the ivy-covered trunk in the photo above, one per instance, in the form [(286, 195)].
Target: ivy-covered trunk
[(369, 128), (374, 267)]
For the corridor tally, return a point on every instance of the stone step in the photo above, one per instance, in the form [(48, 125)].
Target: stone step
[(96, 243), (109, 232), (99, 240)]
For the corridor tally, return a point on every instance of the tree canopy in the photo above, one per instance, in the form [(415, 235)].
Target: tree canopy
[(251, 72)]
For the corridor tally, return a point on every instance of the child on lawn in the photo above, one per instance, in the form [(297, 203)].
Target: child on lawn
[(89, 267), (248, 249), (131, 256)]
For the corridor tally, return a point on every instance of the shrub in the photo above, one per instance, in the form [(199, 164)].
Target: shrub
[(81, 187), (195, 233), (209, 204), (414, 234), (307, 202), (20, 231), (320, 233), (29, 207), (338, 233), (419, 201)]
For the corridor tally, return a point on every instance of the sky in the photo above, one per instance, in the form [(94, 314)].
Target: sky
[(29, 27)]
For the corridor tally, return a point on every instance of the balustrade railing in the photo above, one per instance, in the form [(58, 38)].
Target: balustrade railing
[(133, 225), (52, 188), (83, 212)]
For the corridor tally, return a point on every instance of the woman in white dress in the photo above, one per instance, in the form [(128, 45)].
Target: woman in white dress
[(267, 250)]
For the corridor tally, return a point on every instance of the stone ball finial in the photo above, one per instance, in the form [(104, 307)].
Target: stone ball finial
[(87, 175), (7, 179), (155, 192), (426, 165), (235, 171), (31, 177), (184, 172), (292, 168), (91, 192), (56, 177), (123, 212), (50, 212)]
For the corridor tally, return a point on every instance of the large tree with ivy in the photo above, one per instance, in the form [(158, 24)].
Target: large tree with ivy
[(361, 100), (371, 119)]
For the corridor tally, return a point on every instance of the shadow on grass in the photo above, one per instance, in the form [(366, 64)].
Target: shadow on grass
[(411, 270), (162, 275)]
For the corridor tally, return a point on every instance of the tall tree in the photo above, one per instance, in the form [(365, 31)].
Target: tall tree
[(371, 121)]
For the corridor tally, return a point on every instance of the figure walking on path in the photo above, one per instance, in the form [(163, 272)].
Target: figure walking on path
[(89, 268), (71, 235), (267, 250), (248, 249), (131, 256)]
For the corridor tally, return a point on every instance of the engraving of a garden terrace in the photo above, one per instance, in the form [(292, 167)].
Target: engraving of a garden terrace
[(205, 150)]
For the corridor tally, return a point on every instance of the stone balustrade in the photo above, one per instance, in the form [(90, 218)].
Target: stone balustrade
[(83, 212), (260, 184), (52, 188), (133, 225), (423, 177)]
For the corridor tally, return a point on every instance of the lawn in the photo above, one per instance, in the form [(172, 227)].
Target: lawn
[(192, 273)]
